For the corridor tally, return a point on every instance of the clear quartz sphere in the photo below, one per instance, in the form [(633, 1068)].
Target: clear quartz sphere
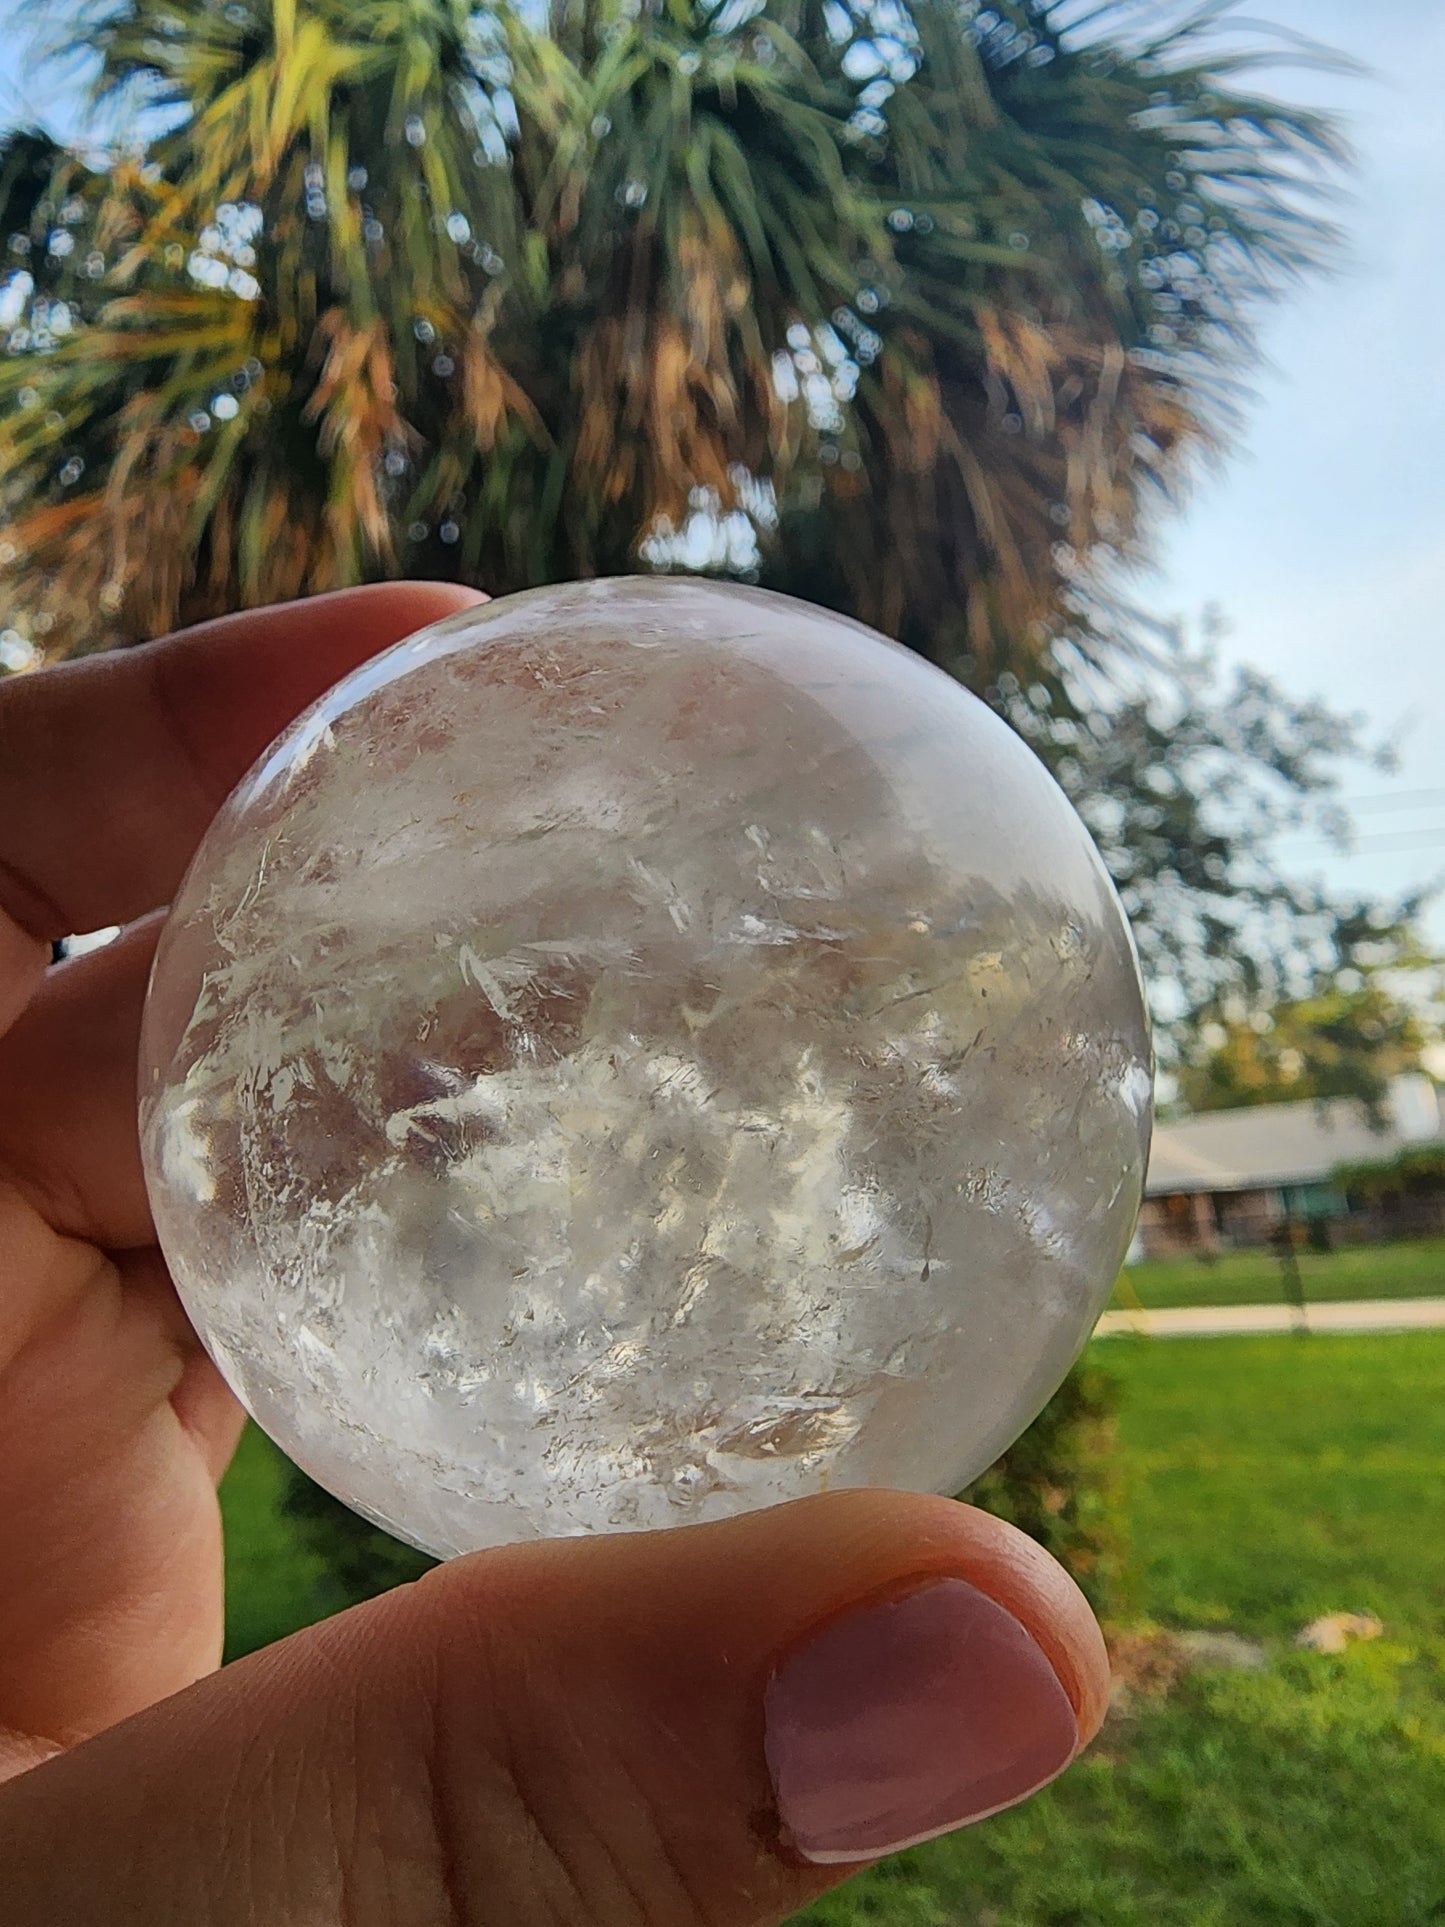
[(638, 1051)]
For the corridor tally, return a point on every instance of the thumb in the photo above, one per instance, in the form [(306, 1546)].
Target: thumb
[(698, 1728)]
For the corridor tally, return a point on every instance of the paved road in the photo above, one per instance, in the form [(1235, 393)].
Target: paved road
[(1210, 1321)]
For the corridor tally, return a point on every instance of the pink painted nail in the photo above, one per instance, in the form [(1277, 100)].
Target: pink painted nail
[(906, 1718)]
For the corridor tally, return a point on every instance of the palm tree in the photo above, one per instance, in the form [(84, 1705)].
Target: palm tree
[(909, 308)]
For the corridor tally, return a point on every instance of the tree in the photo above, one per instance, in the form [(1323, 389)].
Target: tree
[(1186, 777), (1368, 1011), (921, 304)]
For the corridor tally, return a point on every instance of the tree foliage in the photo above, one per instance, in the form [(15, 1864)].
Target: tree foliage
[(359, 1559), (1416, 1172), (1186, 775), (920, 303), (1368, 1011), (1060, 1483)]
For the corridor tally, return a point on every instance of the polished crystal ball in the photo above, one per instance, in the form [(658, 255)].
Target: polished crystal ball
[(638, 1051)]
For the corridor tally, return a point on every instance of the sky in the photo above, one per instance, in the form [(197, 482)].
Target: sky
[(1321, 537)]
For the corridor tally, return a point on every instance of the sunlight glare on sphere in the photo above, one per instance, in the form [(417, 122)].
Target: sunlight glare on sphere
[(638, 1051)]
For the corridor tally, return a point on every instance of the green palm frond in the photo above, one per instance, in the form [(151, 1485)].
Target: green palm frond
[(935, 301)]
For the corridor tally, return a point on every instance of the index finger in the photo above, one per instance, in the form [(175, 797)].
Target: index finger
[(111, 768)]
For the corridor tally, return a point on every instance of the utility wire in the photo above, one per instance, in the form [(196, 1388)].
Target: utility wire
[(1398, 800), (1380, 844)]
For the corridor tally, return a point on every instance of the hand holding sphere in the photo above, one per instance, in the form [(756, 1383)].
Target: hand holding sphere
[(714, 1723)]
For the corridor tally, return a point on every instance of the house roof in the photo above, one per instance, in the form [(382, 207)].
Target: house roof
[(1270, 1144)]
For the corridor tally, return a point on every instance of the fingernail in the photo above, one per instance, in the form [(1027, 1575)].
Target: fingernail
[(906, 1718)]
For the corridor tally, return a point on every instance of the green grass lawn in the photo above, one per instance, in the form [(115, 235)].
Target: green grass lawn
[(1413, 1269), (1268, 1480)]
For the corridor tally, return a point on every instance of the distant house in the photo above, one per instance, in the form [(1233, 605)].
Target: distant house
[(1228, 1178)]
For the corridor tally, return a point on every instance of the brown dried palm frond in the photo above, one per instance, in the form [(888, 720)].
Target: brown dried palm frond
[(947, 307)]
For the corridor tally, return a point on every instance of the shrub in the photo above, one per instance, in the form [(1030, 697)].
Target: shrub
[(1057, 1483), (360, 1559), (1417, 1171), (1060, 1484)]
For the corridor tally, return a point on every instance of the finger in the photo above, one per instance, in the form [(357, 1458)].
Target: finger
[(68, 1139), (111, 768), (106, 1418), (203, 1403), (22, 967), (701, 1726), (108, 776)]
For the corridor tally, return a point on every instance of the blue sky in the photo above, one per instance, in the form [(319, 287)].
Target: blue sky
[(1322, 538), (27, 95)]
